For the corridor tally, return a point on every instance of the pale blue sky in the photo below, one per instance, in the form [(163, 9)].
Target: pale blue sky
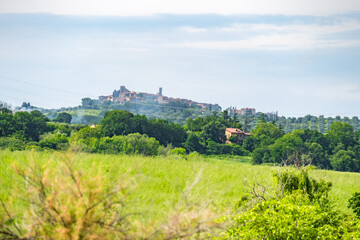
[(295, 60)]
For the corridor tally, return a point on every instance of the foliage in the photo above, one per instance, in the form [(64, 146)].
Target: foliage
[(261, 155), (345, 161), (179, 151), (92, 210), (290, 181), (214, 148), (63, 117), (341, 133), (54, 141), (266, 133), (134, 143), (64, 201), (286, 146), (194, 143), (11, 143), (293, 217), (300, 209), (233, 139), (354, 203), (29, 125), (119, 122)]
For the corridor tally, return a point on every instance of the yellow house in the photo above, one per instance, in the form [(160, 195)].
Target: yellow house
[(235, 132)]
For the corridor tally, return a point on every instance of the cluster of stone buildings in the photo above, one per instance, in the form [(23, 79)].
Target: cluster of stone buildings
[(242, 111), (124, 95)]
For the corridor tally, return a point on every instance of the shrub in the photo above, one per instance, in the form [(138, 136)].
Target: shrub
[(12, 143), (300, 209), (290, 181), (55, 141), (293, 217), (179, 151), (141, 144), (354, 203)]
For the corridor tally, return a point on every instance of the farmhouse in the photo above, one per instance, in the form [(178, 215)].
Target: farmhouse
[(241, 135)]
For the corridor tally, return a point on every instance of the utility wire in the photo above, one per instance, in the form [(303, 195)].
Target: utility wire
[(44, 87), (34, 94)]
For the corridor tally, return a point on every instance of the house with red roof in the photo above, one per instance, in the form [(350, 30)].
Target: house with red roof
[(241, 135)]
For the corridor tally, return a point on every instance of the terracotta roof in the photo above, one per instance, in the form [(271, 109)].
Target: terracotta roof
[(236, 130)]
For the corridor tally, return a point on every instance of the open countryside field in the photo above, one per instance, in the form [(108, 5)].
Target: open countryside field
[(158, 184)]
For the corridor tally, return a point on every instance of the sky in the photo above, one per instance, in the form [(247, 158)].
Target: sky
[(294, 57)]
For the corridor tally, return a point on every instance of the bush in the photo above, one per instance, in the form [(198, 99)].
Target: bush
[(131, 144), (55, 141), (179, 151), (260, 155), (12, 143), (354, 203), (293, 217), (300, 209), (141, 144), (290, 181), (214, 148)]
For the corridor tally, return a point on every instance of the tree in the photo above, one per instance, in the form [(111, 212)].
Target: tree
[(193, 143), (117, 122), (266, 133), (5, 107), (246, 124), (318, 156), (260, 155), (25, 105), (234, 139), (249, 143), (8, 124), (225, 115), (288, 147), (30, 125), (340, 133), (63, 117), (88, 103), (345, 161), (215, 131)]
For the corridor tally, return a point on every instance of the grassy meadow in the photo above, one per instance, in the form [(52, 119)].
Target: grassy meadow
[(158, 184)]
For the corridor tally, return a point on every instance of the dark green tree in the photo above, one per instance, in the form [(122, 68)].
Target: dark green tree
[(63, 117), (215, 131), (194, 143), (117, 122), (345, 161), (340, 133)]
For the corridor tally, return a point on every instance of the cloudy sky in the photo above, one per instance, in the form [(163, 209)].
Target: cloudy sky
[(295, 57)]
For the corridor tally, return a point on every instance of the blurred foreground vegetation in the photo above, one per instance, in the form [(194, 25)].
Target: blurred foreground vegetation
[(57, 195)]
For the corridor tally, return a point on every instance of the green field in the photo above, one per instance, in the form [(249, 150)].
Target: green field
[(159, 183)]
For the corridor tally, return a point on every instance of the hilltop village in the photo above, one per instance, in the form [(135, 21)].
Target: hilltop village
[(124, 95)]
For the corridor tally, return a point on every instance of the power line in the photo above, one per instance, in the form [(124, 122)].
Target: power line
[(34, 94), (44, 87)]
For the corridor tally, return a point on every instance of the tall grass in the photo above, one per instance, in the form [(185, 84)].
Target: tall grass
[(159, 184)]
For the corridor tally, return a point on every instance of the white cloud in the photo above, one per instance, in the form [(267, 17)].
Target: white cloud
[(193, 30), (340, 26), (149, 7), (280, 37)]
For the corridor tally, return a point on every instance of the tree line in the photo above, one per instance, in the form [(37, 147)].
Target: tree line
[(124, 132)]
